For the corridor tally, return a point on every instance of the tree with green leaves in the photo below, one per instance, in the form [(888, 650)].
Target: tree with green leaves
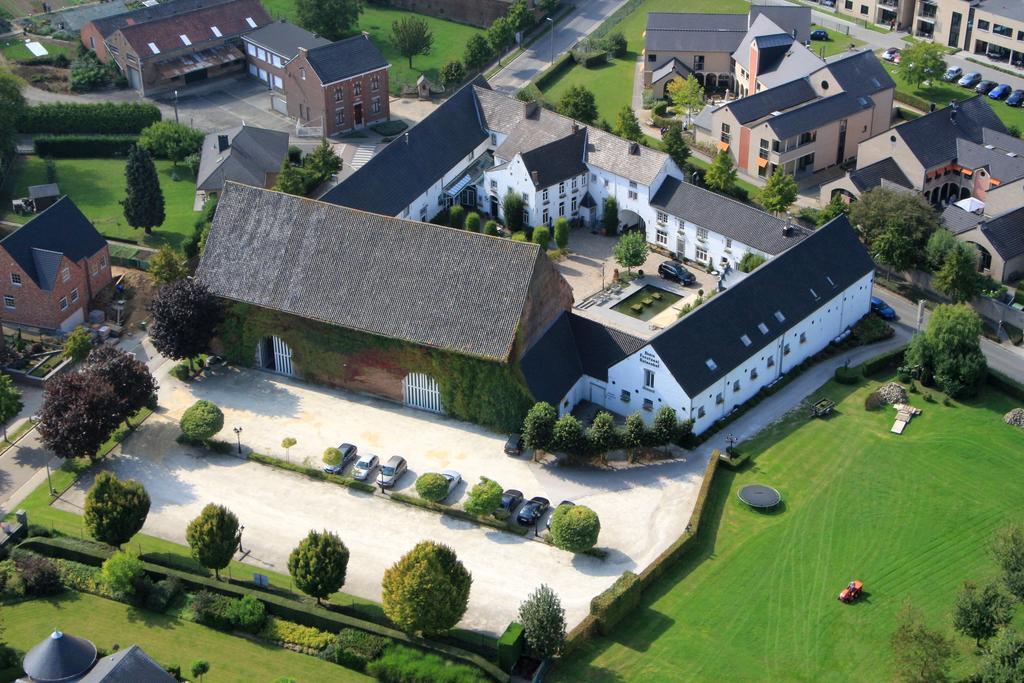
[(115, 510), (958, 277), (779, 191), (75, 419), (610, 215), (635, 434), (750, 261), (542, 236), (543, 619), (167, 265), (920, 654), (1003, 660), (427, 590), (665, 429), (318, 564), (500, 36), (456, 216), (519, 16), (144, 200), (292, 179), (323, 162), (567, 436), (452, 73), (574, 528), (949, 351), (201, 421), (922, 61), (10, 401), (893, 249), (602, 435), (979, 613), (835, 207), (484, 498), (578, 103), (478, 52), (940, 243), (200, 668), (120, 572), (330, 19), (12, 108), (332, 457), (1008, 550), (562, 232), (213, 537), (432, 486), (411, 36), (627, 125), (907, 216), (472, 223), (687, 95), (674, 143), (721, 174), (491, 228), (631, 250), (539, 425), (171, 140), (287, 443), (77, 344), (512, 208)]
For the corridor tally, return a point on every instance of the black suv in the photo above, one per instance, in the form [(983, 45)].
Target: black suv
[(673, 270)]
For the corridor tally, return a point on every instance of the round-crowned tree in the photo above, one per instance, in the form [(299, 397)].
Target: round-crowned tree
[(202, 420), (426, 591), (213, 537), (432, 486), (575, 528), (185, 314), (115, 510), (332, 457), (484, 498), (318, 564)]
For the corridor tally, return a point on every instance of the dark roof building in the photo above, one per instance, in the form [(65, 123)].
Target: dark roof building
[(63, 657), (108, 24), (244, 154), (285, 38), (557, 161), (694, 32), (999, 239), (344, 58), (884, 172), (933, 137)]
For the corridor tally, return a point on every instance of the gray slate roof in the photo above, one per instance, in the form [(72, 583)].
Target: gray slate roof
[(59, 657), (872, 175), (74, 18), (59, 230), (780, 98), (131, 665), (285, 39), (783, 284), (726, 216), (426, 284), (958, 220), (346, 58), (693, 32), (1006, 233), (252, 154), (859, 73), (673, 67), (1000, 165), (813, 115), (43, 191), (932, 137), (558, 160), (787, 16), (106, 25)]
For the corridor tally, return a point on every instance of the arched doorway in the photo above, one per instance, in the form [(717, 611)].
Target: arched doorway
[(965, 192), (984, 257), (274, 355), (710, 82), (421, 391), (630, 220)]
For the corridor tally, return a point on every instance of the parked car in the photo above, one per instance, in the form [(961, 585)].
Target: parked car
[(952, 73), (514, 445), (1016, 98), (392, 471), (984, 87), (890, 53), (1000, 91), (969, 80), (510, 500), (563, 504), (673, 270), (533, 510), (819, 34), (365, 466), (348, 454), (453, 478), (882, 309)]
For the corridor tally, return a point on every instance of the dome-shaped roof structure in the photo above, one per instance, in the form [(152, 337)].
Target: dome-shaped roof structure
[(59, 658)]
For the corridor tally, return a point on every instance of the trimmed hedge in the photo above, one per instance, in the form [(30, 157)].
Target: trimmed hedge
[(63, 118), (557, 68), (459, 513), (845, 375), (510, 646), (84, 146), (312, 472), (886, 361), (618, 600), (913, 100), (1010, 387)]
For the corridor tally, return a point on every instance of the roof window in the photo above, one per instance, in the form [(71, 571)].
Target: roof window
[(154, 48), (185, 39), (778, 316), (216, 31), (746, 340), (249, 21), (830, 282), (814, 294), (763, 328), (712, 365)]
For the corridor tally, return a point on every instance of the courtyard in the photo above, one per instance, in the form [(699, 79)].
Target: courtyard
[(643, 509)]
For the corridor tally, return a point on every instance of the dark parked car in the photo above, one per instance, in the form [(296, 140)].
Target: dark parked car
[(348, 454), (1000, 91), (510, 500), (563, 504), (1016, 98), (819, 34), (514, 445), (984, 87), (392, 471), (970, 80), (953, 73), (533, 510), (673, 270), (882, 309)]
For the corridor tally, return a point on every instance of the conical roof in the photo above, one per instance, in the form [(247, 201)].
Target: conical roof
[(59, 658)]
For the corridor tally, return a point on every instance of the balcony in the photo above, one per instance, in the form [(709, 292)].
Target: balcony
[(889, 3)]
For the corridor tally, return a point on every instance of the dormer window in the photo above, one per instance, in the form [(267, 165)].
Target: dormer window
[(252, 24), (746, 340), (763, 328), (154, 48), (216, 31), (778, 316), (712, 365), (185, 39)]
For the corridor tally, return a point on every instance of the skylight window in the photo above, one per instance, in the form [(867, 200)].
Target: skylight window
[(712, 365), (249, 21), (154, 48), (830, 282), (814, 294), (185, 39), (763, 328), (778, 316), (216, 31), (746, 340)]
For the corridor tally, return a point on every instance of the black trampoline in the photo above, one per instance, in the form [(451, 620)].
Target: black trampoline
[(760, 496)]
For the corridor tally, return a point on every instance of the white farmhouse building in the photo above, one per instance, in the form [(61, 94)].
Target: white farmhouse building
[(720, 355)]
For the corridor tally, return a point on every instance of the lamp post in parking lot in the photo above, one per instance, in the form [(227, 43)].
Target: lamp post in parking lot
[(238, 439)]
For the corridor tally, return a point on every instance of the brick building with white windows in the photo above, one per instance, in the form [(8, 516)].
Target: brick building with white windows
[(268, 50)]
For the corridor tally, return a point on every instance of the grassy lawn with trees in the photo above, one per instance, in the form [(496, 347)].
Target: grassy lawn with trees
[(98, 185), (13, 49), (837, 42), (166, 639), (911, 516)]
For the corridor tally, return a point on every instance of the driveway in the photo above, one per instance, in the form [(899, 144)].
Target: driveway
[(643, 510)]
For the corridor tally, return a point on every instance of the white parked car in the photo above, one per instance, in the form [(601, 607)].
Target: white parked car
[(890, 54), (453, 478), (365, 466)]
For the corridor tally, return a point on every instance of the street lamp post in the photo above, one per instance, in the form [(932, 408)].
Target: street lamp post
[(49, 485), (238, 438), (240, 530), (552, 22), (176, 106)]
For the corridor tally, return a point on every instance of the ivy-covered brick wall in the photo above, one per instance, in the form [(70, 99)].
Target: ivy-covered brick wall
[(486, 392)]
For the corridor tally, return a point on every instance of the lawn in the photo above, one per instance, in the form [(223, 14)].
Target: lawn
[(450, 40), (166, 639), (97, 187), (837, 42), (909, 515), (13, 49)]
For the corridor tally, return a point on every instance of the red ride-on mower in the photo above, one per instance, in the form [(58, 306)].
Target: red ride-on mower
[(851, 592)]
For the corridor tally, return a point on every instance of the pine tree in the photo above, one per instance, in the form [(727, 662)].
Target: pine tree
[(144, 203)]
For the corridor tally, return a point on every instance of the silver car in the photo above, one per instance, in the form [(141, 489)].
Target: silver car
[(365, 466), (392, 471)]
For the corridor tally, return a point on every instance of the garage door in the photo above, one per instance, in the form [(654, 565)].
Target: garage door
[(274, 355), (421, 391)]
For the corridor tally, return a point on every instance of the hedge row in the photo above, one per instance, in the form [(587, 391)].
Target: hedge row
[(886, 361), (312, 472), (285, 608), (459, 513), (101, 117), (912, 100), (614, 603), (588, 60), (1004, 384), (557, 68), (83, 146)]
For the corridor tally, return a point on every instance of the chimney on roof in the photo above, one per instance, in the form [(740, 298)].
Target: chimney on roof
[(787, 229), (529, 109), (535, 177), (634, 148), (575, 127), (222, 143)]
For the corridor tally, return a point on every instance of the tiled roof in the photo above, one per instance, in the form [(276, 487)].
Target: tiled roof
[(1006, 233), (815, 114), (780, 98), (285, 39), (872, 175), (859, 73), (1001, 166), (426, 284), (692, 32), (958, 220), (252, 154), (74, 18), (932, 137), (346, 58), (130, 665), (726, 216), (787, 16), (558, 160), (106, 25), (60, 229), (670, 68), (783, 284), (166, 33)]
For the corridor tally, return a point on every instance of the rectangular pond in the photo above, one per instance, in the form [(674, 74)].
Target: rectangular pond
[(646, 302)]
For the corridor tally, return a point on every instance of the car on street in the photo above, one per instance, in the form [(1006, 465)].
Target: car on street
[(952, 73), (984, 87), (392, 471), (819, 34), (563, 504), (348, 454), (514, 445), (365, 466), (890, 54), (510, 500), (969, 80), (453, 478), (533, 510), (1016, 98), (1000, 91), (882, 309), (673, 270)]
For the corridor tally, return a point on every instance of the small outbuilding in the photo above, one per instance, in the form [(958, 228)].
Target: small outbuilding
[(43, 196)]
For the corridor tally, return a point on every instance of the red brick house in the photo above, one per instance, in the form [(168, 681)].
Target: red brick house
[(51, 268), (342, 86)]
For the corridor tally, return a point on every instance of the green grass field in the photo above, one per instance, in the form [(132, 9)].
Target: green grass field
[(97, 187), (837, 42), (166, 639), (13, 49), (449, 40), (909, 515)]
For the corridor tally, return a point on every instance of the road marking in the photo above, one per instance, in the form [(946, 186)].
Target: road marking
[(363, 154)]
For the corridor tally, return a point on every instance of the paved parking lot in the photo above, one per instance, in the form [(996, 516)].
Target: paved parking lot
[(642, 510)]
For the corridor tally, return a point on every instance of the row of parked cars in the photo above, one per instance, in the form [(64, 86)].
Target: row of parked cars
[(973, 79)]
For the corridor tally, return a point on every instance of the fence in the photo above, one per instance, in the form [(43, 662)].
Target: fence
[(129, 256)]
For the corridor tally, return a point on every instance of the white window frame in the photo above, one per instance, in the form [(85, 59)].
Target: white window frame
[(661, 236), (63, 303), (9, 302), (65, 273), (74, 295), (16, 279), (648, 379)]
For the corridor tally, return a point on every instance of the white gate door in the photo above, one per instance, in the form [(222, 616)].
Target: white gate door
[(597, 393), (282, 357), (421, 391)]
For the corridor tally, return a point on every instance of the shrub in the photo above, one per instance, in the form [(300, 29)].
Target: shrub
[(202, 420), (484, 498), (432, 486), (562, 232), (615, 43), (870, 329), (845, 375), (750, 261), (83, 146), (248, 613), (211, 609), (353, 648), (162, 594), (278, 630), (491, 227), (427, 590), (406, 665), (539, 425), (616, 601), (120, 573), (39, 573), (456, 216), (64, 118), (575, 528), (874, 401), (473, 221), (542, 236)]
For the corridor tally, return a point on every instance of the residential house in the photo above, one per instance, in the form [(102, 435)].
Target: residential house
[(52, 268), (999, 238), (94, 32), (269, 49), (994, 28), (338, 87), (805, 125), (722, 353), (768, 56), (895, 14), (64, 657), (243, 154)]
